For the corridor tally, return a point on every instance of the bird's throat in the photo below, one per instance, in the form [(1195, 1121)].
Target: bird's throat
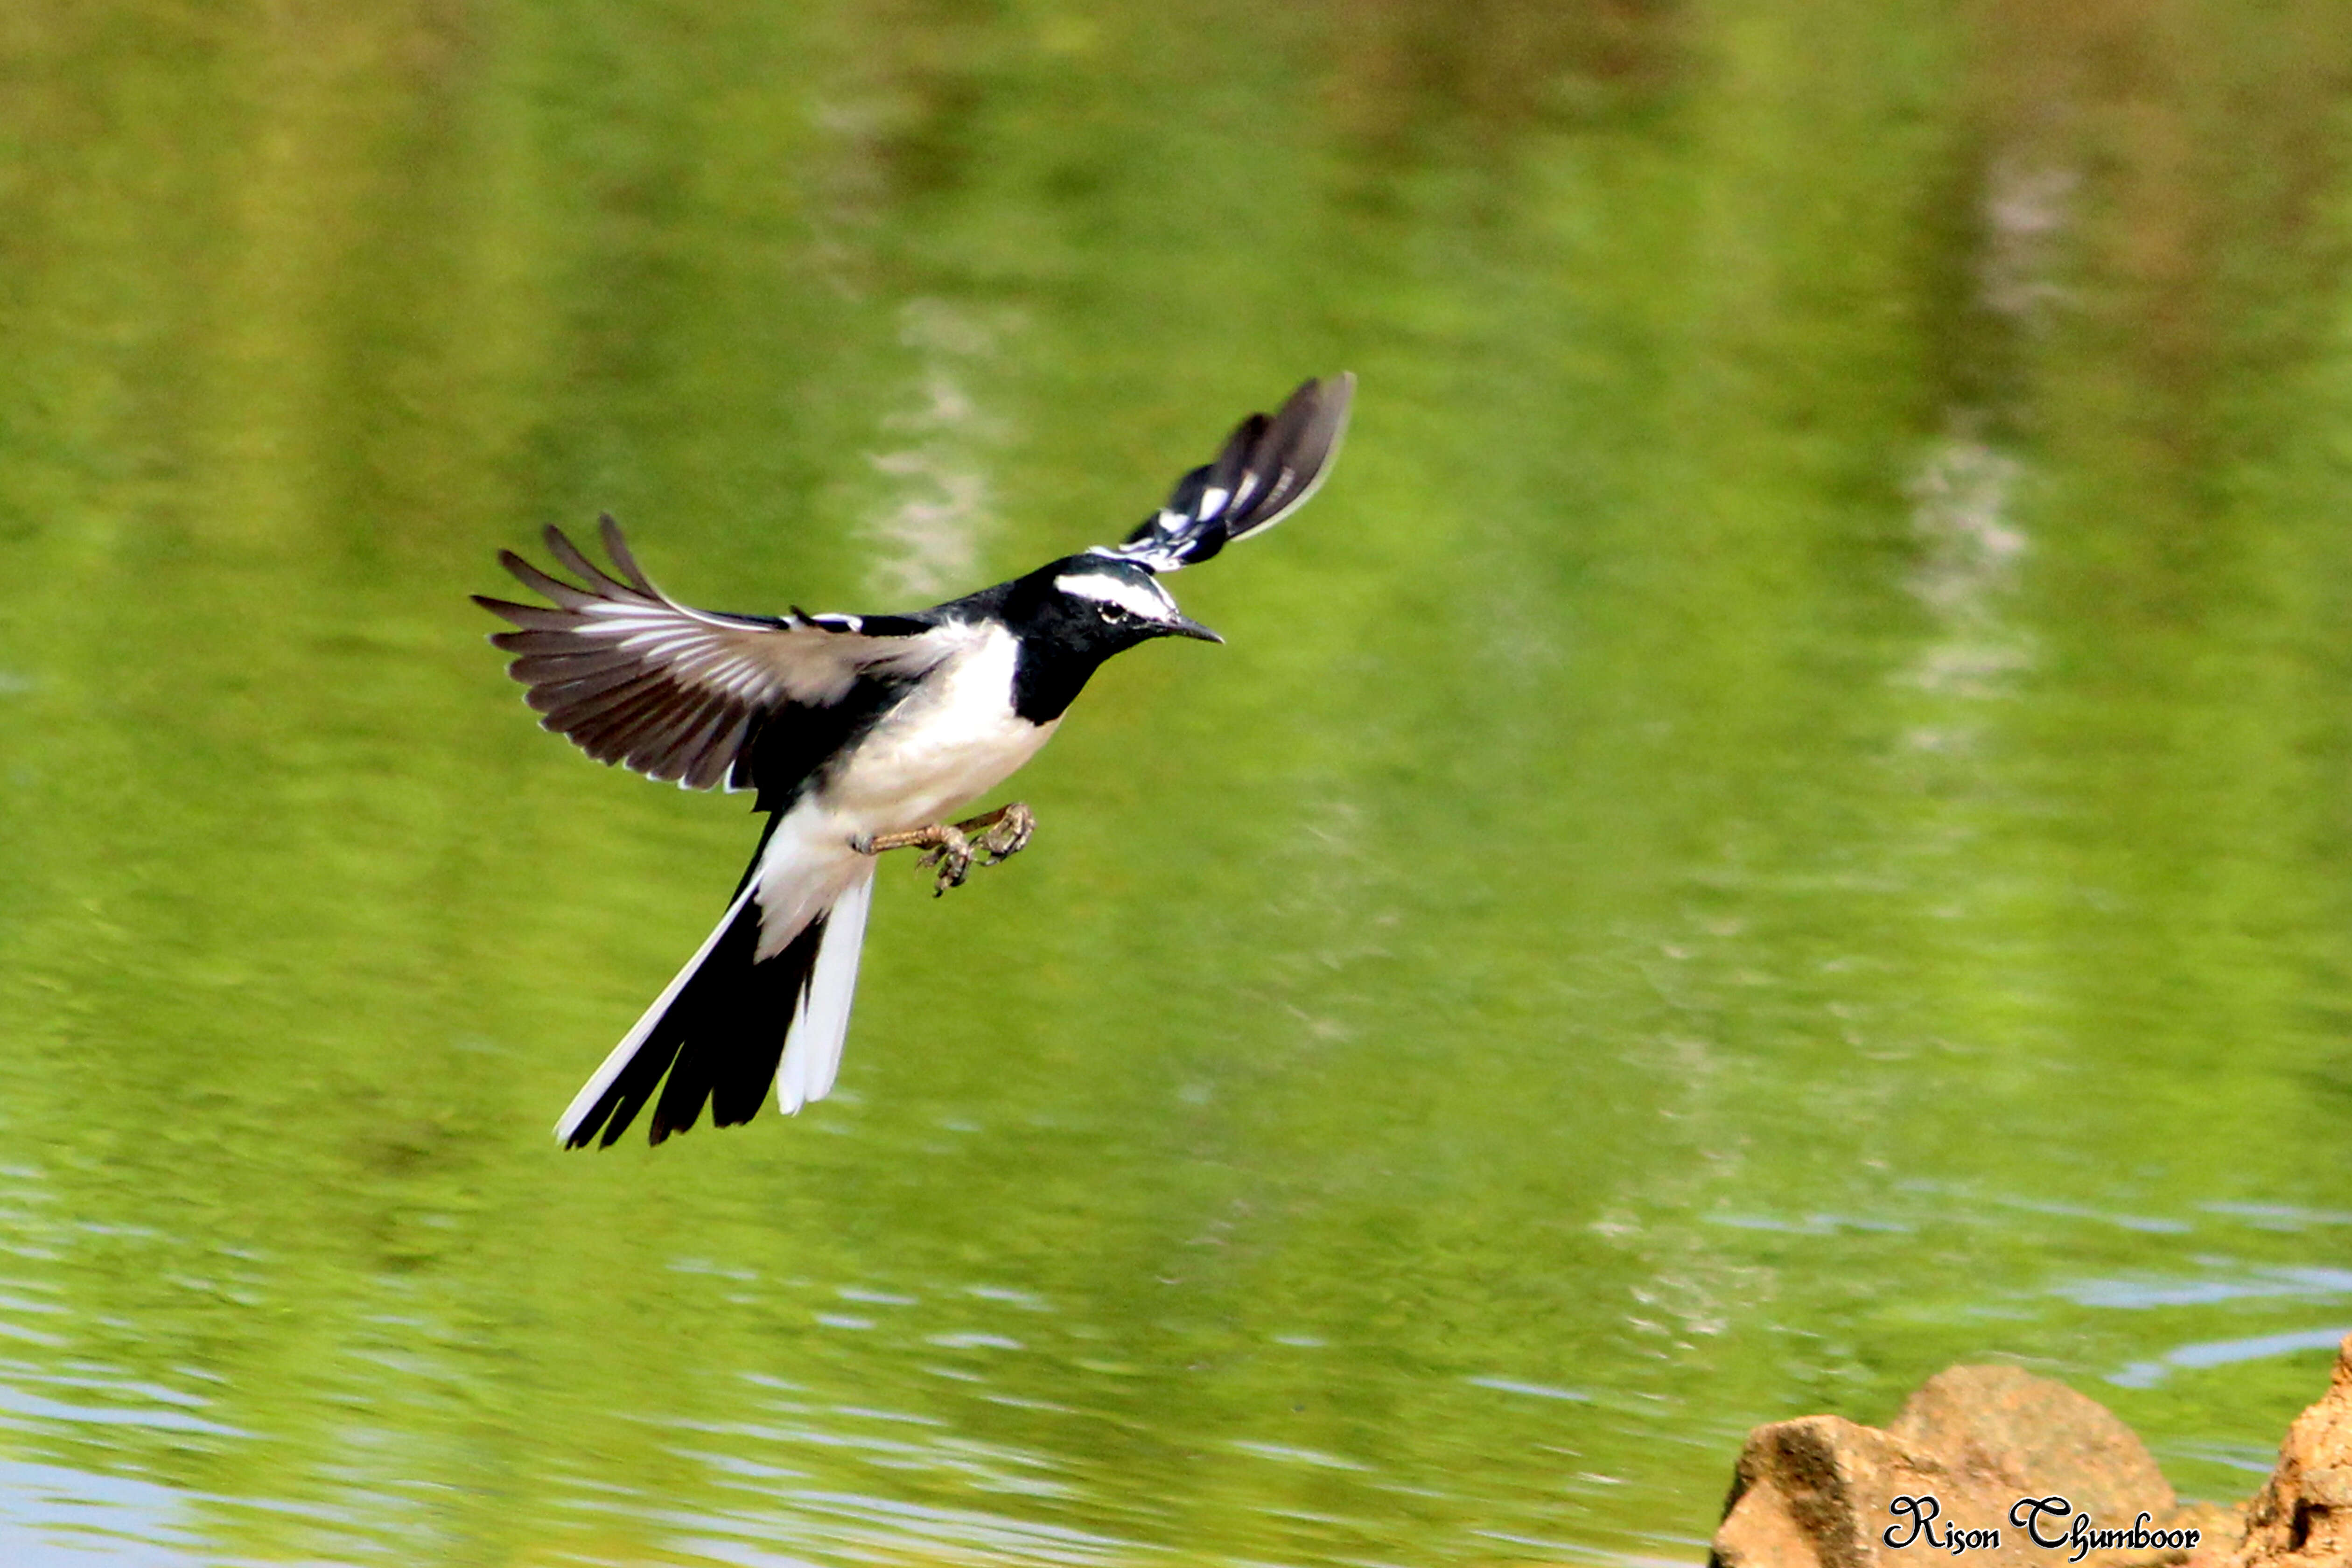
[(1046, 678)]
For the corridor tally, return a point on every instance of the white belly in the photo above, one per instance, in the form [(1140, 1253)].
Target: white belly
[(955, 739)]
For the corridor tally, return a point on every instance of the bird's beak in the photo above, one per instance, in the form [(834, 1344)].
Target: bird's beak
[(1183, 627)]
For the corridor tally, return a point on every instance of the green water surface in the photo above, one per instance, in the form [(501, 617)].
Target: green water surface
[(1785, 820)]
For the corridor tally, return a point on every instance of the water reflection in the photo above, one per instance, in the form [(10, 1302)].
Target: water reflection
[(1776, 828)]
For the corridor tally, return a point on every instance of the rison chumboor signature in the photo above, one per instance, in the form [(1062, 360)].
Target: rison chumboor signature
[(1916, 1525)]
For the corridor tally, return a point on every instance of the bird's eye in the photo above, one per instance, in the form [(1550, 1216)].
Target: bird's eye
[(1109, 613)]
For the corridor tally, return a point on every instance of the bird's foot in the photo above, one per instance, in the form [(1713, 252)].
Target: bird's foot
[(1002, 833), (998, 833), (944, 847), (952, 853)]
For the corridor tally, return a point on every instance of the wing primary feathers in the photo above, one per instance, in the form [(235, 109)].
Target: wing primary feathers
[(564, 704), (677, 761), (551, 643), (636, 699), (560, 674), (632, 676), (1266, 470), (1232, 463), (617, 548), (670, 757), (540, 583), (568, 556), (533, 617)]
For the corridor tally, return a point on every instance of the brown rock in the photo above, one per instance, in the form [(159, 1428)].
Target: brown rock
[(1815, 1490), (2010, 1432), (1823, 1492), (2302, 1516), (2218, 1527)]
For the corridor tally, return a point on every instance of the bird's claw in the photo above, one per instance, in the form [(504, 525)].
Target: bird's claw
[(1002, 833), (952, 853), (999, 834)]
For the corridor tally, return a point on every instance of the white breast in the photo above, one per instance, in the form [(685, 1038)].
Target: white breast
[(957, 737)]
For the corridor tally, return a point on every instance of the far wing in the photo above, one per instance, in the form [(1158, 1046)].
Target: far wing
[(1267, 469), (632, 676)]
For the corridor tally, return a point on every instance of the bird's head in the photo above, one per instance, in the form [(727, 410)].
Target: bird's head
[(1097, 606)]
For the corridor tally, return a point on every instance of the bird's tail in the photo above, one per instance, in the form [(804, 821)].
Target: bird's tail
[(730, 1024)]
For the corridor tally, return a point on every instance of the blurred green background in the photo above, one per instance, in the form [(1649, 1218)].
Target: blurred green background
[(1783, 822)]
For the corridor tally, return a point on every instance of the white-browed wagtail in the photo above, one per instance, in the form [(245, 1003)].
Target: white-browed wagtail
[(860, 734)]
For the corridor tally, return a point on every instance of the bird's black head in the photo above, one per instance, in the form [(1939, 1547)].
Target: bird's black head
[(1072, 614)]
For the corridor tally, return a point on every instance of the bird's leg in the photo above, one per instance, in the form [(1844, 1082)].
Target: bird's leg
[(1002, 833), (947, 848), (999, 835)]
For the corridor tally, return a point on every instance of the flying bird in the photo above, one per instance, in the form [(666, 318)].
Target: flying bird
[(860, 734)]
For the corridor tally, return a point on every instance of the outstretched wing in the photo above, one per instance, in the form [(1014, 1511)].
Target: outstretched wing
[(632, 676), (1268, 469)]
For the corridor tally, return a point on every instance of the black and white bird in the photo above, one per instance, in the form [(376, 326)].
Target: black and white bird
[(860, 734)]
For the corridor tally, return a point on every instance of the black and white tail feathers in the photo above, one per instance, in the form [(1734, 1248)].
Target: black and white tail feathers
[(1267, 469), (719, 1029)]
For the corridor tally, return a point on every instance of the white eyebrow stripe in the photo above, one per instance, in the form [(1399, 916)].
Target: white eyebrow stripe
[(1148, 600)]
